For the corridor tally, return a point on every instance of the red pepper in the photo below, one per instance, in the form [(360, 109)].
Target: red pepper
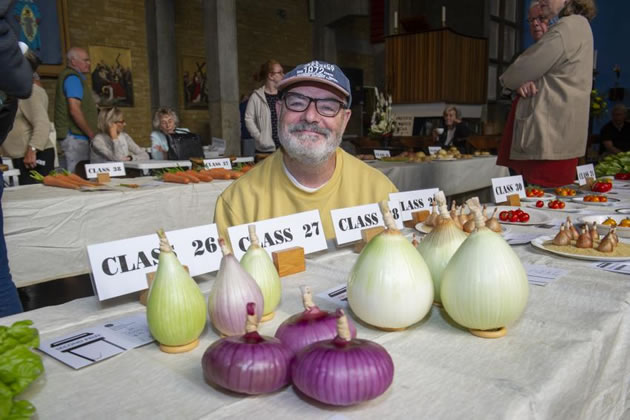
[(601, 187), (623, 176)]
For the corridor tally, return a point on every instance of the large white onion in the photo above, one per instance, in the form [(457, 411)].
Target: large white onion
[(390, 285), (484, 286), (440, 244)]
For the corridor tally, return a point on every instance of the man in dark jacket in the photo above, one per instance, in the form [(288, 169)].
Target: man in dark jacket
[(16, 82)]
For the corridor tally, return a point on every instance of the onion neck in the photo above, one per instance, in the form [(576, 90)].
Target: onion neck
[(255, 243), (165, 246)]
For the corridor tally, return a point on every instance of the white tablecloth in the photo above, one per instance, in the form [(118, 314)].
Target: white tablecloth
[(567, 357), (452, 177), (47, 229)]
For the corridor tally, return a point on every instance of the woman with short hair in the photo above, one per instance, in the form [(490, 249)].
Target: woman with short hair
[(112, 144), (455, 131), (554, 77), (165, 122)]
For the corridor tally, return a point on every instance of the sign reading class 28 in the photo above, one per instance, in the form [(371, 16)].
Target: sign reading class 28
[(112, 168)]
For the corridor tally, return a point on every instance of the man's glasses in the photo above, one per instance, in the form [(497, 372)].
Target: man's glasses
[(325, 107), (539, 19)]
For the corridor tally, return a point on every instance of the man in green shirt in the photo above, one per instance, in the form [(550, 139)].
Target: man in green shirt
[(75, 109), (310, 171)]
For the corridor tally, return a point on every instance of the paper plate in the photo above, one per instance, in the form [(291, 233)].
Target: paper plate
[(536, 217), (622, 232), (611, 201), (539, 243), (545, 197), (569, 207)]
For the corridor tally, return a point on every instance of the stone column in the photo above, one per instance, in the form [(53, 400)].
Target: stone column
[(160, 21), (222, 65)]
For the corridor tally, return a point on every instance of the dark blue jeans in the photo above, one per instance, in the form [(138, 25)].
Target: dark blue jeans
[(9, 300)]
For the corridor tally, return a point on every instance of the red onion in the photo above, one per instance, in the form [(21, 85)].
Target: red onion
[(343, 371), (310, 326), (249, 364)]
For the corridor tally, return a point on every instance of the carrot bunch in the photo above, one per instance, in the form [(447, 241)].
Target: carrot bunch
[(63, 179)]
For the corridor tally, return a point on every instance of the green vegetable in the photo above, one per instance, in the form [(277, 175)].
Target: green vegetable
[(19, 367), (613, 164)]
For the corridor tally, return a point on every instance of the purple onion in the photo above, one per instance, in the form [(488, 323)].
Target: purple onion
[(343, 371), (310, 326), (249, 364)]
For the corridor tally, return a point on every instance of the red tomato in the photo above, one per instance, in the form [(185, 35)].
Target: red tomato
[(561, 204), (514, 218), (540, 203), (503, 216), (555, 205), (523, 218), (518, 212), (529, 193)]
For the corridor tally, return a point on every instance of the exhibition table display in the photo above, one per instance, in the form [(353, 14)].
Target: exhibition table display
[(564, 356)]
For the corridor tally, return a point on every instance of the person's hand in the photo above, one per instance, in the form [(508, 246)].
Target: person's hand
[(30, 158), (160, 149), (113, 132), (435, 135), (126, 158), (527, 89)]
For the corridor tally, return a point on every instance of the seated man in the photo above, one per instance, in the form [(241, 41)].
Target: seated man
[(615, 136), (310, 171)]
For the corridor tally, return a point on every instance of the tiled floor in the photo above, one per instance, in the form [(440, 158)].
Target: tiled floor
[(55, 292)]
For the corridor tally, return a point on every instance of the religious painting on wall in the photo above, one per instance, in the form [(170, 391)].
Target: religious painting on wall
[(111, 75), (42, 25), (193, 73)]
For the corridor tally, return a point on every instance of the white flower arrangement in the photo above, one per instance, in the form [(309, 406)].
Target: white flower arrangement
[(383, 121)]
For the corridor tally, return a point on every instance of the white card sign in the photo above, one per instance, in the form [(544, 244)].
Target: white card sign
[(411, 201), (301, 229), (99, 342), (380, 154), (584, 172), (508, 185), (217, 163), (112, 168), (349, 222), (434, 149), (120, 267), (394, 207), (404, 125), (244, 159)]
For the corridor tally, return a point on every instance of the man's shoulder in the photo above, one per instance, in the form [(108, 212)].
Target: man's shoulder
[(356, 168)]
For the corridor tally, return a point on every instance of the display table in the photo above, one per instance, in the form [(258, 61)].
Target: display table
[(452, 177), (567, 357), (47, 229), (146, 165)]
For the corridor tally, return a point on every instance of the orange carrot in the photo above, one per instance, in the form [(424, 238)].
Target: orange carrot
[(204, 177), (56, 181), (236, 174), (247, 168), (78, 180), (216, 172), (192, 179), (171, 177), (193, 174)]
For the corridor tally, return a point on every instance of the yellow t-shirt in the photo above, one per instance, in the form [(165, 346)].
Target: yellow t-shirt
[(266, 192)]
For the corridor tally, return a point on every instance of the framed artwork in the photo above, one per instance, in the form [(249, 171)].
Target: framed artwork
[(111, 75), (194, 74), (43, 26)]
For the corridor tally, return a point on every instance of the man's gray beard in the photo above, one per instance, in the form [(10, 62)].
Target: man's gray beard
[(292, 145)]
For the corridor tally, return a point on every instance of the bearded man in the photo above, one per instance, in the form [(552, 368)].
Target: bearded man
[(310, 171)]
